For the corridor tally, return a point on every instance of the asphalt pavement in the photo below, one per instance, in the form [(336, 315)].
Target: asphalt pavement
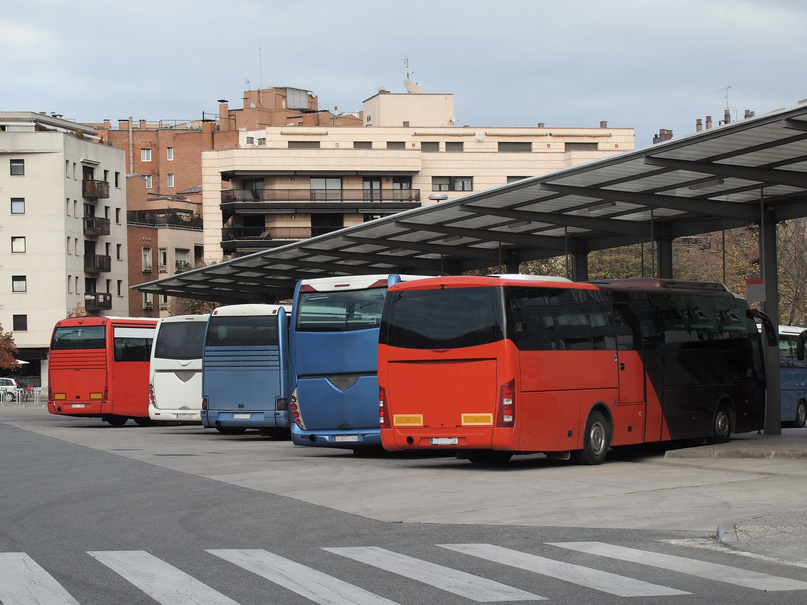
[(782, 535)]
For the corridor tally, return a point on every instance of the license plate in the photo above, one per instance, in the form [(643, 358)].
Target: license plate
[(445, 440), (242, 416), (346, 438), (181, 416), (78, 405)]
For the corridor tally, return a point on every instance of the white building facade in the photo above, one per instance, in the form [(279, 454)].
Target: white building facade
[(62, 230)]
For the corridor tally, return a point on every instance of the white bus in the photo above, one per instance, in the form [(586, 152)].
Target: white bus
[(175, 381)]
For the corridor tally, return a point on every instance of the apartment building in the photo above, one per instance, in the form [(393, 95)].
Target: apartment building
[(62, 227), (287, 183)]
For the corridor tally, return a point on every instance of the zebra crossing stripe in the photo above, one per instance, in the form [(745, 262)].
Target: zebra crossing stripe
[(576, 574), (161, 581), (701, 569), (451, 580), (24, 582), (305, 581)]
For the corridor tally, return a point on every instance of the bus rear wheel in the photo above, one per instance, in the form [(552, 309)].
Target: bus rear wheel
[(116, 420), (595, 440), (721, 426), (801, 414)]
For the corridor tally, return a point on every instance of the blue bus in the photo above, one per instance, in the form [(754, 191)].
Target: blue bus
[(333, 365), (245, 370), (792, 376)]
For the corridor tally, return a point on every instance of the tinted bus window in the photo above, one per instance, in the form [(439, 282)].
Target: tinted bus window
[(444, 318), (180, 340), (553, 319), (241, 331), (78, 337), (132, 345), (340, 311)]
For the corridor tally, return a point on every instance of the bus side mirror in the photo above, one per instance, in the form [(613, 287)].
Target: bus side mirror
[(767, 326), (800, 345)]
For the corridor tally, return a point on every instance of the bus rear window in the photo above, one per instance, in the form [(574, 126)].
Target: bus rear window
[(340, 311), (443, 318), (180, 340), (78, 337), (242, 331)]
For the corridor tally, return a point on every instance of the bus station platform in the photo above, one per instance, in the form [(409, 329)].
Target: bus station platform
[(781, 535)]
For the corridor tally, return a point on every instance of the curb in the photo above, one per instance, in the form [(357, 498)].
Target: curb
[(727, 535)]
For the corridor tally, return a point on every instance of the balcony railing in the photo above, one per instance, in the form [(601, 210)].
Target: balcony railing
[(273, 233), (95, 189), (97, 301), (319, 195), (97, 263), (95, 226)]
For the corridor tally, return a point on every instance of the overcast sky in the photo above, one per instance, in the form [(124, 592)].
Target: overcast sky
[(645, 64)]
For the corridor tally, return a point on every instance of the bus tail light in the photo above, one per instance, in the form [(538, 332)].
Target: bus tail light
[(204, 403), (507, 405), (282, 403), (294, 406), (382, 408)]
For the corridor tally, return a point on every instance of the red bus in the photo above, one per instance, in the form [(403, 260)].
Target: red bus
[(492, 366), (99, 366)]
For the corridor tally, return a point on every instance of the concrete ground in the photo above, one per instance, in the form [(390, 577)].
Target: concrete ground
[(750, 492)]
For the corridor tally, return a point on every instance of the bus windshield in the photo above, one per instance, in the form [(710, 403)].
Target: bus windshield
[(340, 311), (180, 340), (242, 331), (78, 337), (447, 318)]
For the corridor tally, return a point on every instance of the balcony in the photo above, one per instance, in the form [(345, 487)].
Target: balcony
[(229, 196), (245, 239), (97, 301), (95, 189), (95, 226), (97, 263)]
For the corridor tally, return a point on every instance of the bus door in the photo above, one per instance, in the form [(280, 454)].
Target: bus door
[(638, 420)]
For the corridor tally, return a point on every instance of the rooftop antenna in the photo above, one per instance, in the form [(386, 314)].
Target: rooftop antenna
[(727, 113), (410, 86), (260, 76)]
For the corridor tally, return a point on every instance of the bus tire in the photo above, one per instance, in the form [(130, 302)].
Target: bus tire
[(116, 420), (144, 422), (596, 440), (801, 414), (721, 424)]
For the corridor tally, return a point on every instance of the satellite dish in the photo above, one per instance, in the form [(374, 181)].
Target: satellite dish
[(412, 87)]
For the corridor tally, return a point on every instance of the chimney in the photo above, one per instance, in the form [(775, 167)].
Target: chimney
[(604, 124), (698, 125), (727, 116), (123, 124), (708, 122), (663, 135), (749, 114)]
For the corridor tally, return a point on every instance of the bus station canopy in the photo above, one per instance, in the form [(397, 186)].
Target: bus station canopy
[(753, 171)]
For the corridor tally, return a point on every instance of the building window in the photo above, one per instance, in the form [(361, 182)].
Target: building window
[(118, 248), (69, 284), (163, 256), (145, 155), (19, 283), (170, 179), (148, 181), (580, 147), (362, 144), (17, 167), (17, 244), (452, 183), (169, 154), (117, 216), (454, 146), (19, 323), (146, 259), (515, 146), (181, 259), (117, 179), (430, 146), (396, 145), (18, 205), (303, 144), (120, 287)]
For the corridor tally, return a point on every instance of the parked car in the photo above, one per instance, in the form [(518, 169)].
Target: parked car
[(8, 388)]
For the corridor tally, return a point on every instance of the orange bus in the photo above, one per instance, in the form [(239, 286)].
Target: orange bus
[(493, 366), (99, 366)]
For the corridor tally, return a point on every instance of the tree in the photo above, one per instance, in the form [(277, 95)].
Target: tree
[(8, 349)]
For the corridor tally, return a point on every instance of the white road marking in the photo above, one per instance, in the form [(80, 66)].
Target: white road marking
[(161, 581), (451, 580), (692, 567), (305, 581), (576, 574), (24, 582)]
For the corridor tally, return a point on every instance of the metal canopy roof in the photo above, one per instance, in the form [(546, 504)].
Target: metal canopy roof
[(719, 178)]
